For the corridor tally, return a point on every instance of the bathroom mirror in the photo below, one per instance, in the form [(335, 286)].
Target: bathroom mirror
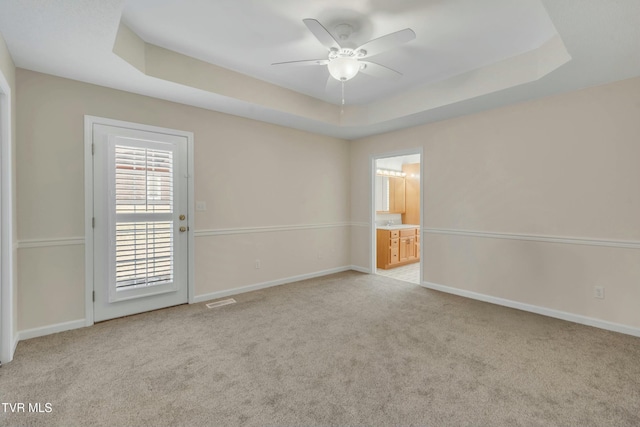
[(390, 194)]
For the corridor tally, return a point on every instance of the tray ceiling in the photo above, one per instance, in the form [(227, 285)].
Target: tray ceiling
[(467, 55)]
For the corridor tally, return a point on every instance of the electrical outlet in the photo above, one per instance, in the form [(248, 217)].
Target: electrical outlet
[(257, 264), (320, 255), (201, 206), (598, 292)]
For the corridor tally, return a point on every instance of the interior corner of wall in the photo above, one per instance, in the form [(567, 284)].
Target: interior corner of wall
[(130, 47), (551, 55)]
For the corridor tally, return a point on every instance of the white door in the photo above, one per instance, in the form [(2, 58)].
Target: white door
[(140, 208)]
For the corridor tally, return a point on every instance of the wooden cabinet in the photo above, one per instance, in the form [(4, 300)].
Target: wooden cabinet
[(407, 245), (397, 247), (411, 213)]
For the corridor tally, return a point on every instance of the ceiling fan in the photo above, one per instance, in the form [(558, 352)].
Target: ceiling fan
[(345, 63)]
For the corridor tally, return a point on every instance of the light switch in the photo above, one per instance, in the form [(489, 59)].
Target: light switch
[(201, 206)]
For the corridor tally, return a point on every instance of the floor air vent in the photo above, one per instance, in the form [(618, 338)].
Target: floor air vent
[(221, 303)]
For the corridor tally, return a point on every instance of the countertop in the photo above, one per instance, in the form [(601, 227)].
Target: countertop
[(397, 226)]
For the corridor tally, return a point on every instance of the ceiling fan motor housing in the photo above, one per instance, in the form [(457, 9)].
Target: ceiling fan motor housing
[(346, 53), (343, 63), (343, 31)]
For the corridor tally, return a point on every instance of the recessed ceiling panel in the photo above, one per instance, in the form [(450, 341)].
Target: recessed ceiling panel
[(452, 37)]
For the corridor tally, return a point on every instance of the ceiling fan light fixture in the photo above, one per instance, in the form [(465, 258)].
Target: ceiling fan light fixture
[(343, 69)]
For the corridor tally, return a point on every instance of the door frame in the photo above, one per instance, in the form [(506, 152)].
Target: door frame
[(89, 122), (8, 341), (372, 204)]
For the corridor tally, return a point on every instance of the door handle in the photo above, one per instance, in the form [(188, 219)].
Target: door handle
[(183, 229), (182, 217)]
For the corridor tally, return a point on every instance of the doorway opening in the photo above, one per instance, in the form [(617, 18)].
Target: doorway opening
[(7, 338), (397, 216)]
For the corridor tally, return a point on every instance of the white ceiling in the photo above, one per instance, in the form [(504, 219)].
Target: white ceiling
[(455, 38)]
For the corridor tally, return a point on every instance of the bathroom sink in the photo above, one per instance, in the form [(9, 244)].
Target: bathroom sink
[(397, 226)]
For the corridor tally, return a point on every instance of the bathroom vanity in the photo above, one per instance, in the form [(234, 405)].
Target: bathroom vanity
[(397, 245)]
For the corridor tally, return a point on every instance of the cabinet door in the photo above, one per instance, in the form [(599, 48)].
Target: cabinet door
[(404, 252), (411, 248), (396, 194), (382, 248)]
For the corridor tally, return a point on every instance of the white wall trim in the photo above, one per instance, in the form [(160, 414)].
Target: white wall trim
[(267, 229), (43, 243), (372, 200), (269, 284), (51, 329), (558, 314), (191, 219), (89, 122), (7, 344), (629, 244), (360, 269), (360, 224), (88, 215)]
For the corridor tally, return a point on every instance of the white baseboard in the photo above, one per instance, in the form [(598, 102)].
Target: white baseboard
[(50, 329), (81, 323), (269, 284), (360, 269), (575, 318)]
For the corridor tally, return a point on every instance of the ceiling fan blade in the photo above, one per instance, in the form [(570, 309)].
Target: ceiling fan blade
[(331, 84), (321, 33), (304, 62), (377, 70), (384, 43)]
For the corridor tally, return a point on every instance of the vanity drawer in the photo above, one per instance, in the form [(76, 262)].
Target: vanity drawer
[(408, 233), (393, 256), (394, 234), (394, 243)]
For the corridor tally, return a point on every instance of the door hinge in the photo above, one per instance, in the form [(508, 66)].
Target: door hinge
[(93, 296), (93, 148), (93, 222)]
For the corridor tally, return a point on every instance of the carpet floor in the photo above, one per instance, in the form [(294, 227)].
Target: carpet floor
[(345, 349)]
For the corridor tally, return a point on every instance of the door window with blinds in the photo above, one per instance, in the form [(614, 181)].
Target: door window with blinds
[(141, 218)]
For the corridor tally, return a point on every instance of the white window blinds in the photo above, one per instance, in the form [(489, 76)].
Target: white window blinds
[(144, 217)]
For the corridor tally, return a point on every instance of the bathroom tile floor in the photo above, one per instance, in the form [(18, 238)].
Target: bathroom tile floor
[(407, 273)]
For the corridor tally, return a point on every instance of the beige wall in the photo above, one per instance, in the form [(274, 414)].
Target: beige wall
[(563, 166), (8, 70), (250, 174)]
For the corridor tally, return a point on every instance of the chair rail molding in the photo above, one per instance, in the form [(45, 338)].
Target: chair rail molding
[(624, 244), (49, 242), (267, 229)]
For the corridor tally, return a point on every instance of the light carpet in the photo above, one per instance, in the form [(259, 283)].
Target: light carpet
[(345, 349)]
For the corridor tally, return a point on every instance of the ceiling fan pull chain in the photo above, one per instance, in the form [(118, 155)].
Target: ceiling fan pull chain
[(343, 93)]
